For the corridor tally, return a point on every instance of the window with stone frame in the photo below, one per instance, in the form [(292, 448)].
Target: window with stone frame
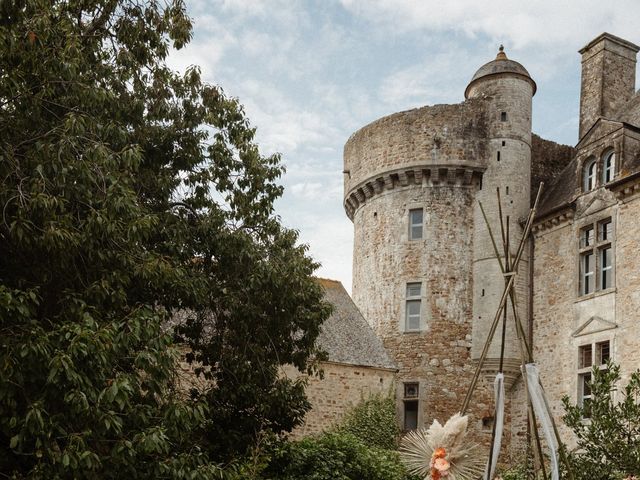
[(413, 307), (596, 257), (608, 166), (589, 175), (416, 222), (590, 355), (410, 402)]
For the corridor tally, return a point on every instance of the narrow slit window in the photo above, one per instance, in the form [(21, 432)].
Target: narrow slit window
[(416, 224), (411, 401), (498, 155), (487, 423), (410, 414), (413, 307)]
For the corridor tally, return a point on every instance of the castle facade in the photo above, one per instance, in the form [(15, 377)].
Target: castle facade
[(425, 273)]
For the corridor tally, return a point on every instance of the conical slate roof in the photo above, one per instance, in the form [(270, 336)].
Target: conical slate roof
[(499, 66)]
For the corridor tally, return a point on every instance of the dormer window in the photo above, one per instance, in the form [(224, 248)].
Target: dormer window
[(589, 175), (608, 166)]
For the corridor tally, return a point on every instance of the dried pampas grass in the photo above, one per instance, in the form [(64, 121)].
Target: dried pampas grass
[(422, 451)]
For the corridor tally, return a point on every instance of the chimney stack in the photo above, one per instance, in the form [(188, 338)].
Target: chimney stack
[(608, 78)]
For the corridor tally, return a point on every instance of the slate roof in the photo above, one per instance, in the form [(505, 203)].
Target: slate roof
[(548, 159), (500, 65), (565, 187), (560, 192), (346, 336)]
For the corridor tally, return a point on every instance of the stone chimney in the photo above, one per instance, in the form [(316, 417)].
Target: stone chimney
[(608, 78)]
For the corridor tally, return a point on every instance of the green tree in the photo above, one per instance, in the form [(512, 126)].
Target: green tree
[(130, 193), (373, 421), (607, 428), (335, 456)]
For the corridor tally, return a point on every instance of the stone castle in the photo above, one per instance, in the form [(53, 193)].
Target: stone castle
[(425, 275)]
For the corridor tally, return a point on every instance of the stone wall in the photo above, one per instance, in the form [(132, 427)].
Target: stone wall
[(441, 144), (438, 357), (342, 388), (508, 169), (563, 319), (432, 135)]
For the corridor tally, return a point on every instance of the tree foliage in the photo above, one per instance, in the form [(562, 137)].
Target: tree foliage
[(607, 428), (335, 456), (373, 421), (130, 192)]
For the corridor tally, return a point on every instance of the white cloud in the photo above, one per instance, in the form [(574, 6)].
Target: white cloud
[(308, 190), (330, 239), (311, 73), (435, 79), (520, 24)]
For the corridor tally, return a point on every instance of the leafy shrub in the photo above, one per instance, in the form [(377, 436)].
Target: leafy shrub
[(609, 441), (514, 472), (373, 421), (334, 456)]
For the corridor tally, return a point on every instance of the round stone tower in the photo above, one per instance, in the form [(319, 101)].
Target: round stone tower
[(424, 273), (410, 185), (508, 90)]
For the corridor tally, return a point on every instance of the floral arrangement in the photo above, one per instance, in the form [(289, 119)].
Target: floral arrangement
[(439, 464), (442, 451)]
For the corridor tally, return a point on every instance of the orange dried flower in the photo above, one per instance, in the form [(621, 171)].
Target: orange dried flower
[(439, 453), (441, 464)]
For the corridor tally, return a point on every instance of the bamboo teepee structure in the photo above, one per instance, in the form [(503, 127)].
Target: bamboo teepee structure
[(446, 445), (537, 406)]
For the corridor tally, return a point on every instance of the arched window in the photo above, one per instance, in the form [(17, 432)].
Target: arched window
[(589, 175), (608, 166)]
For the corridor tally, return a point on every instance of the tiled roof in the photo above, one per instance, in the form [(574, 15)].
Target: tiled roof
[(346, 336)]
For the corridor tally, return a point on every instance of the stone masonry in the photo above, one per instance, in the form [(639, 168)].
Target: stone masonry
[(430, 297), (340, 389)]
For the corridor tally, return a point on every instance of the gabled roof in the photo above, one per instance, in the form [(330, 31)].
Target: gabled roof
[(346, 336), (565, 187)]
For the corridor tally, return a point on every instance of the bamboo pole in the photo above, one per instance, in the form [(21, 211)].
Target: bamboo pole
[(505, 294)]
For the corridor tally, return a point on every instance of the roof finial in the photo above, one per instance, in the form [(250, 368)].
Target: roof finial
[(501, 55)]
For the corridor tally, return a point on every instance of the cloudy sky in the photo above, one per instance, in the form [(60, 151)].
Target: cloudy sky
[(310, 73)]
